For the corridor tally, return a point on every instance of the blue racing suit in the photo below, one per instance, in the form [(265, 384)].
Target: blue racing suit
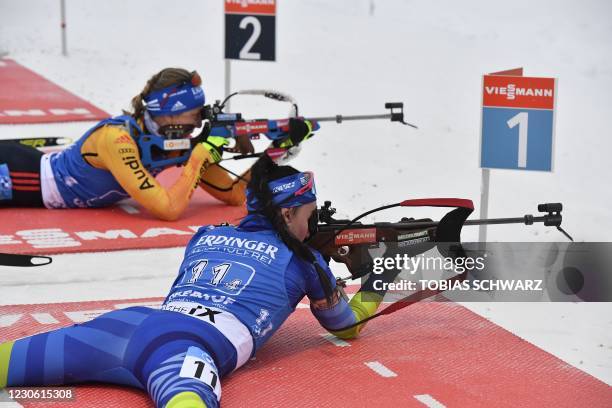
[(235, 288)]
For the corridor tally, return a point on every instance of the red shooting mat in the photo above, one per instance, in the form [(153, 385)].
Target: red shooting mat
[(437, 352), (27, 97), (124, 226)]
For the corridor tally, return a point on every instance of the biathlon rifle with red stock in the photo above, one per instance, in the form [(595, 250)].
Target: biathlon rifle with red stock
[(233, 125), (352, 243)]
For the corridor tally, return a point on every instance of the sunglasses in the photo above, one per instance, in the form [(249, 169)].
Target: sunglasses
[(309, 185)]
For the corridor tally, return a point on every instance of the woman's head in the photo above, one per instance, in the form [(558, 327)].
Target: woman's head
[(172, 99), (282, 193), (287, 198)]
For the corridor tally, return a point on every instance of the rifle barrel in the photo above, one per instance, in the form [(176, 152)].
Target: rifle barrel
[(527, 220), (518, 220), (340, 118)]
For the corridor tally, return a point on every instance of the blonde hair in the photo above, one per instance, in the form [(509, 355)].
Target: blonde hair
[(164, 78)]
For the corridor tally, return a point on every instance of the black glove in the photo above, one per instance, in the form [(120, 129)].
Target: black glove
[(299, 130)]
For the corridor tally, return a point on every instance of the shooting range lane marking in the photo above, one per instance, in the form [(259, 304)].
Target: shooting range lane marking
[(44, 318), (7, 402), (335, 340), (9, 319), (429, 401), (129, 208), (380, 369)]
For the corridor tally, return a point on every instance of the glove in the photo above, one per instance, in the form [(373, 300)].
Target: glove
[(244, 145), (214, 145), (299, 130)]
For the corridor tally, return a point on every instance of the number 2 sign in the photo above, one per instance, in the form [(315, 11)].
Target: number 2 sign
[(517, 122), (250, 30)]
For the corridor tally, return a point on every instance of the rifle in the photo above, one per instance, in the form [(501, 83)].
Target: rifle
[(154, 149), (347, 241), (233, 125), (352, 243)]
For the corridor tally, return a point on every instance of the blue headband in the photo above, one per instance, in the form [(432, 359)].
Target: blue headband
[(291, 191), (174, 99)]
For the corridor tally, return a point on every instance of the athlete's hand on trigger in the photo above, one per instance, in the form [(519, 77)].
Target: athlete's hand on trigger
[(244, 145), (299, 130), (214, 145)]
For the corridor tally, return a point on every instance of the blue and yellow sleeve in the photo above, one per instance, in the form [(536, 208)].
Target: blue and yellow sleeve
[(114, 150), (340, 313), (343, 314)]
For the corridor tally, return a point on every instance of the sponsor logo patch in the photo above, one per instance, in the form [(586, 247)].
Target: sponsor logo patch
[(356, 236)]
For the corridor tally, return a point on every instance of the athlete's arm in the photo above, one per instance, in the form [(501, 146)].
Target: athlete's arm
[(339, 313), (118, 153), (219, 184)]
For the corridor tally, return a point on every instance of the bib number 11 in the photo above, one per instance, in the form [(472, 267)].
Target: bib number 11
[(199, 366), (226, 277)]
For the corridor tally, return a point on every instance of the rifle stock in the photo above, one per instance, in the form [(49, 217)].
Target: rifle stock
[(352, 243)]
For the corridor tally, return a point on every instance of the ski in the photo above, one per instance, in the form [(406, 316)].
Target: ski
[(41, 142), (23, 260)]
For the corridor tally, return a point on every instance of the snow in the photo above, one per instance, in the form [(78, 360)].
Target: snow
[(343, 57)]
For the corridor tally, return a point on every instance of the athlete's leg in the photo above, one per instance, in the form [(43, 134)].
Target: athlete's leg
[(20, 175), (159, 351), (180, 360), (92, 351), (182, 374)]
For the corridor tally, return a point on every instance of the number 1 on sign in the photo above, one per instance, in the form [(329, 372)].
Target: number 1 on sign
[(522, 120)]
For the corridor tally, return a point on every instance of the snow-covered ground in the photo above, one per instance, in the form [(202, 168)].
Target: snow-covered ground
[(343, 57)]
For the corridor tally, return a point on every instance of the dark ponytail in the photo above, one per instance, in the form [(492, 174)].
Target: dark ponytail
[(262, 172)]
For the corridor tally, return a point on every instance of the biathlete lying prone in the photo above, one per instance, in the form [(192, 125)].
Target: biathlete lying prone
[(235, 287), (107, 164)]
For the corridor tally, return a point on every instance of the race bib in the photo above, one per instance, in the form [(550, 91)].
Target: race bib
[(199, 365)]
